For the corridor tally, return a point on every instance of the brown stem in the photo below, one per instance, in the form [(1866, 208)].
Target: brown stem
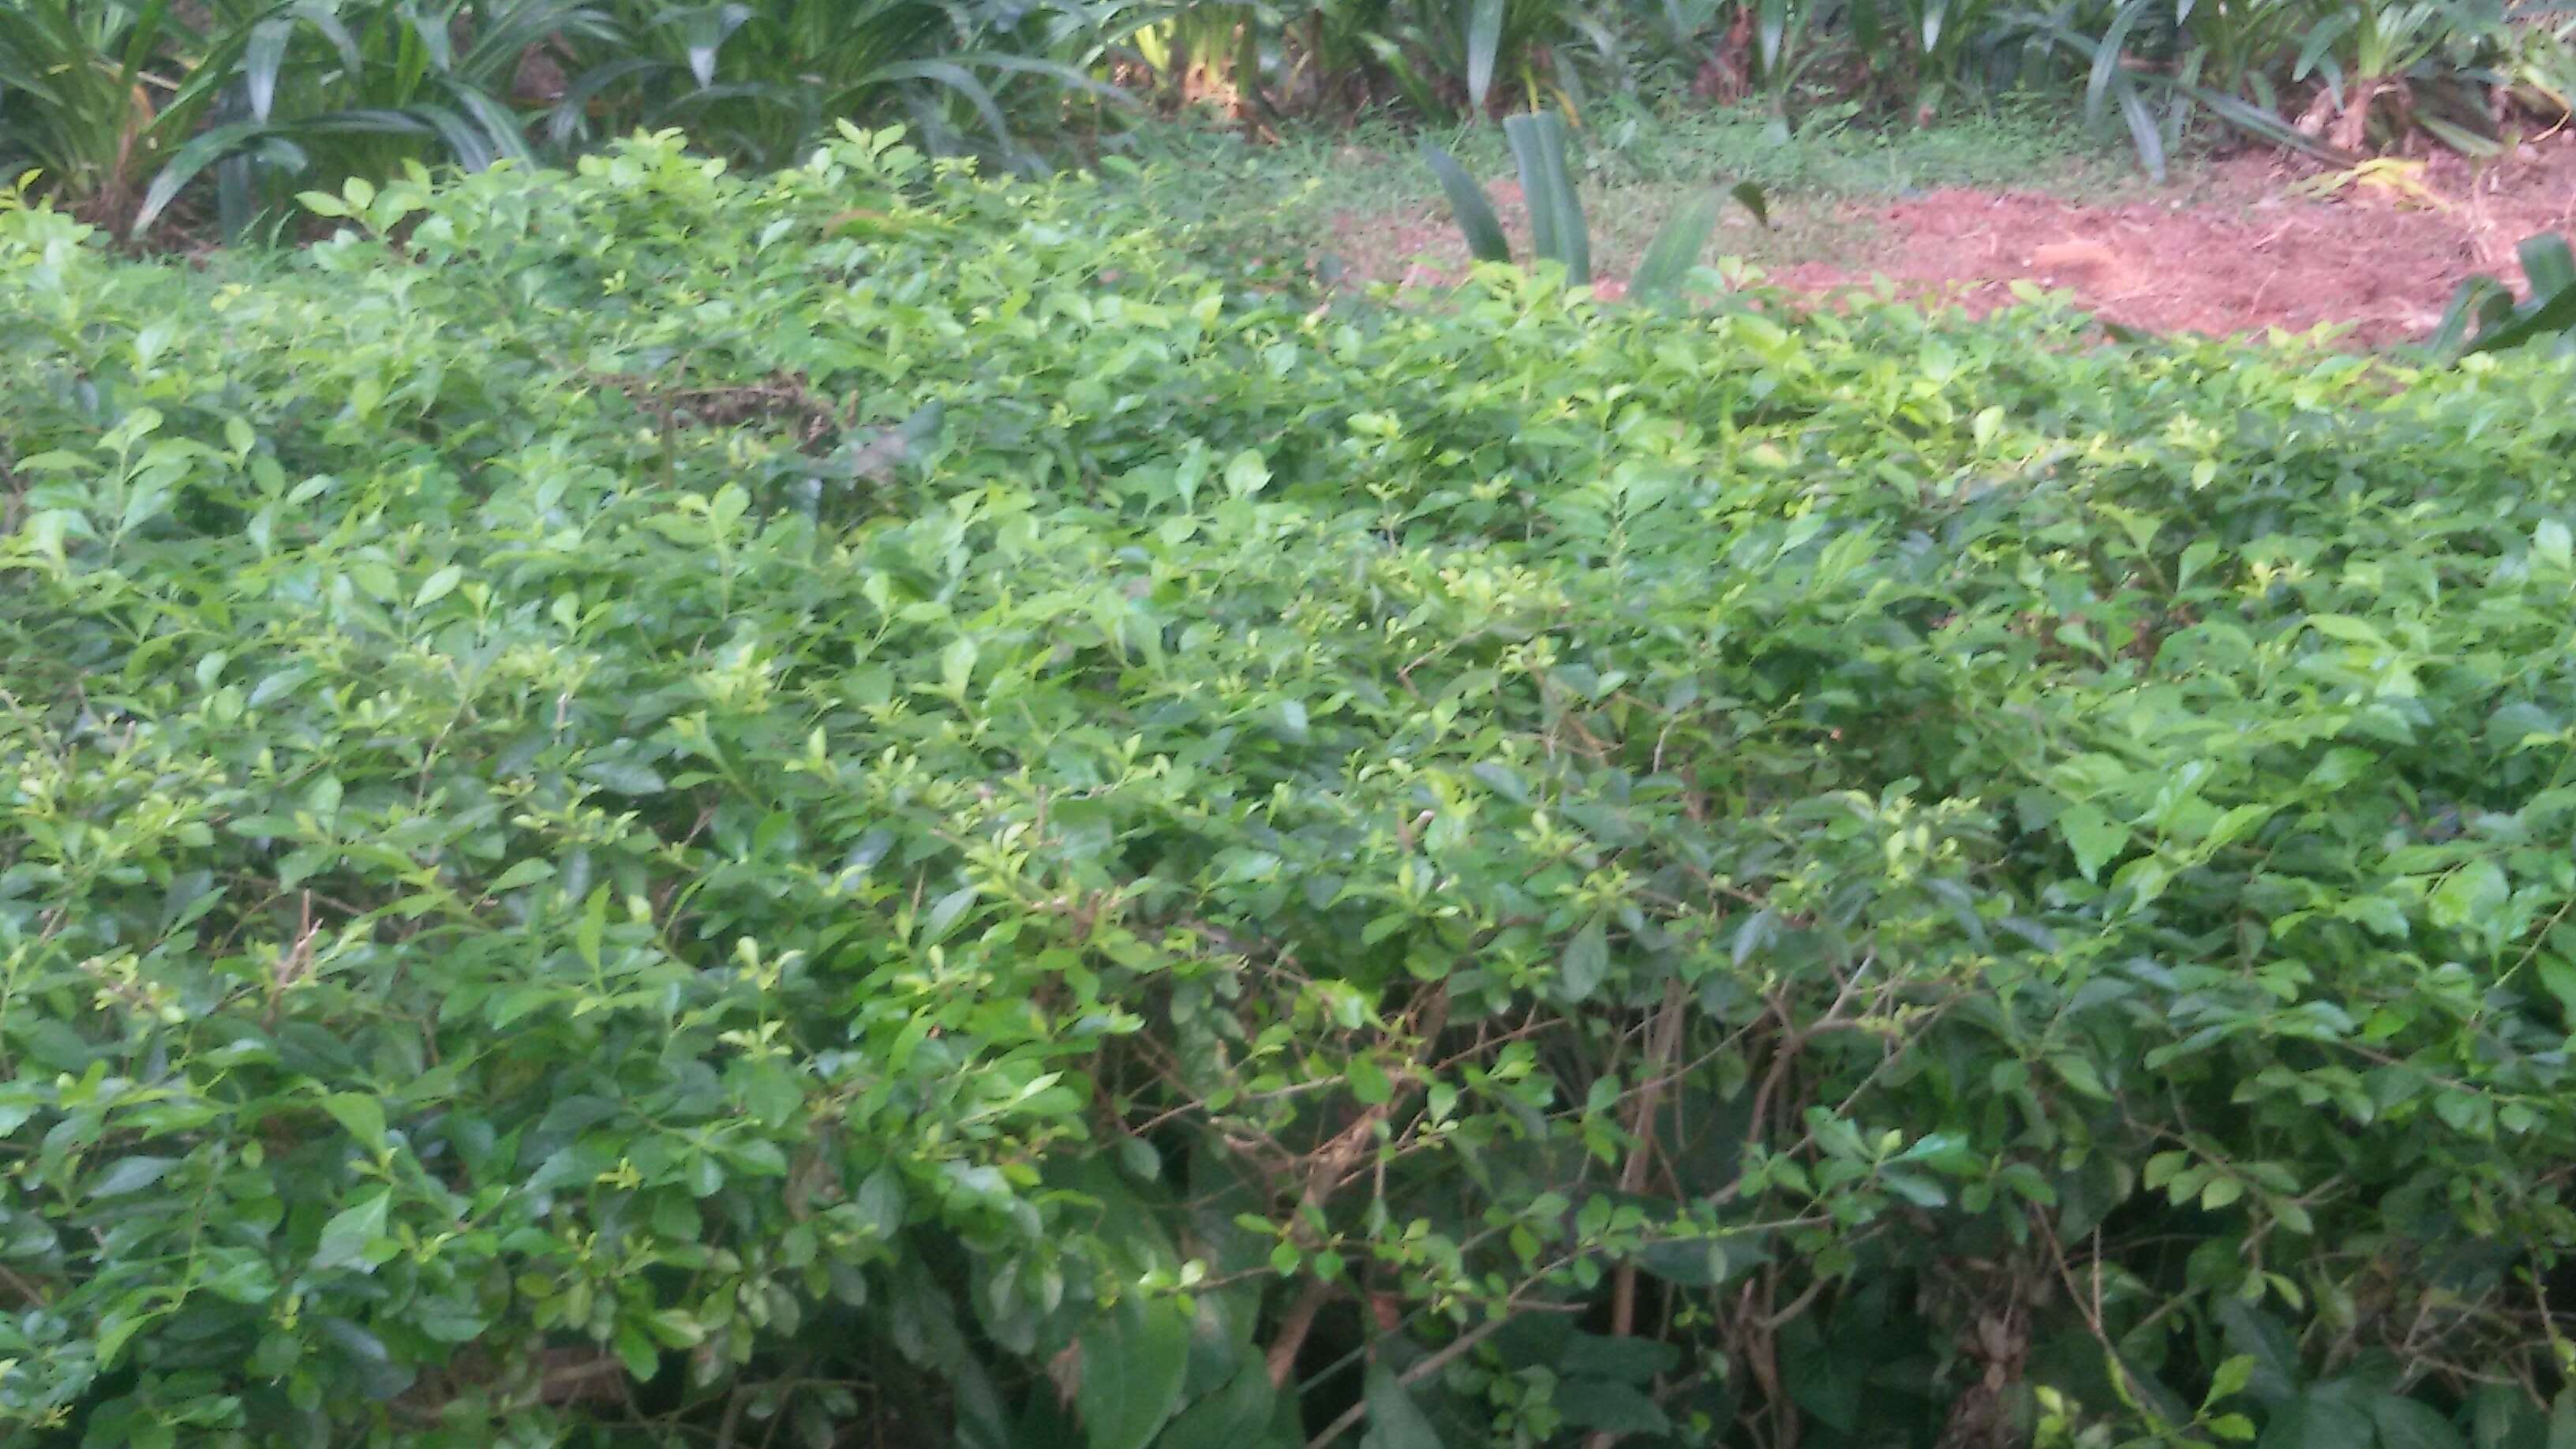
[(1293, 1329), (1663, 1039), (1332, 1163)]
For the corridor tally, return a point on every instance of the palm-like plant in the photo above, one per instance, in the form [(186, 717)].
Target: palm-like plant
[(2367, 51), (97, 95), (1932, 41), (123, 105), (1442, 58), (2484, 317), (763, 78), (1558, 231), (317, 90)]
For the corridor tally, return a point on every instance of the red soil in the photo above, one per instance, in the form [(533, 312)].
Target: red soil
[(2252, 248)]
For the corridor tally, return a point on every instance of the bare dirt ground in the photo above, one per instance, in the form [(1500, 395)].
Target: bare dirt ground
[(2244, 244)]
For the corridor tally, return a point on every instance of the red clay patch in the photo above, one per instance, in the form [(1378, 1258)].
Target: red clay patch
[(2253, 249)]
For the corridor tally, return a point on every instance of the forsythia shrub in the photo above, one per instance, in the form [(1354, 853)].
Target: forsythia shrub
[(863, 807)]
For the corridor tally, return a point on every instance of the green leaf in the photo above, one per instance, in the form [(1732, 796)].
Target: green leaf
[(2107, 56), (363, 1116), (1247, 473), (2552, 544), (438, 586), (1923, 1192), (1484, 45), (131, 1175), (2547, 319), (1586, 960), (626, 777), (2502, 1416), (1133, 1361), (2411, 1424), (351, 1231), (1675, 249), (1688, 1264), (944, 915), (2144, 133), (1749, 196), (2548, 263), (1607, 1407), (1233, 1417), (1369, 1084), (880, 1202), (2562, 1420), (2232, 1378), (524, 873), (2079, 1073), (1825, 1377), (2272, 1359), (1467, 203), (593, 930), (2094, 837), (636, 1352), (957, 665), (1394, 1422), (1502, 779), (2478, 304), (2469, 896), (1627, 1360), (2315, 1422), (1557, 229)]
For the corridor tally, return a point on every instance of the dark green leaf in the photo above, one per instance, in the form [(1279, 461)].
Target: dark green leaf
[(1133, 1360), (1587, 960), (2312, 1422), (1675, 249), (1394, 1422), (2411, 1424), (1610, 1407), (350, 1232), (1475, 215), (131, 1174)]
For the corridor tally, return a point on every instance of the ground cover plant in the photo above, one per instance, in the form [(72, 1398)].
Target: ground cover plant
[(647, 807)]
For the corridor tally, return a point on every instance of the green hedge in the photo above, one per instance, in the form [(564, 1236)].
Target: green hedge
[(653, 808)]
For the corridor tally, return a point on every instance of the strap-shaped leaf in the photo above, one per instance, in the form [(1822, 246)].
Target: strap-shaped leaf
[(1522, 133), (1484, 46), (1476, 219), (1557, 228), (2557, 314), (1676, 248), (1749, 196), (2479, 304), (2549, 264)]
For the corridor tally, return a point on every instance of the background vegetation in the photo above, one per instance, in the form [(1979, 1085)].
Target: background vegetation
[(652, 806), (229, 107)]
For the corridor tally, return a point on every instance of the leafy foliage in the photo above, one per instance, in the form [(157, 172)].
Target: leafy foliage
[(1558, 232), (77, 94), (266, 98), (2483, 315), (2333, 78), (646, 806)]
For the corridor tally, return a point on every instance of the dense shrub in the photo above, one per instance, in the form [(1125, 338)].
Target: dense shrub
[(642, 807)]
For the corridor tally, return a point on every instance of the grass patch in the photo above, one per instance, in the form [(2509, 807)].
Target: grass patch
[(1364, 195)]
